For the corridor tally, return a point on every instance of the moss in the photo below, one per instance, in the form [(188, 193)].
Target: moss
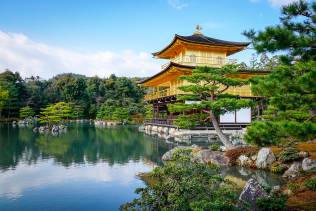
[(310, 183)]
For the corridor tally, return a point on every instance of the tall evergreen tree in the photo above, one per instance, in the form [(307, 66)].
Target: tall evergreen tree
[(291, 87)]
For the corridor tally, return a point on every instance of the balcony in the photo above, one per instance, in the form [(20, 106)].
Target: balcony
[(244, 91), (162, 93), (193, 60)]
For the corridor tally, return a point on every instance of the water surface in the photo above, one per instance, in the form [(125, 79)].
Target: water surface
[(86, 168)]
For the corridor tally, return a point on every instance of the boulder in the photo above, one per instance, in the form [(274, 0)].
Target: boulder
[(303, 154), (208, 156), (293, 171), (309, 164), (251, 192), (168, 155), (265, 158), (55, 129)]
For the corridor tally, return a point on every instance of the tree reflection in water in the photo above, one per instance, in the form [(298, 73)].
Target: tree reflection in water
[(82, 144)]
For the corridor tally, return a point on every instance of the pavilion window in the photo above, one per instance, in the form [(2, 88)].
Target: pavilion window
[(192, 58)]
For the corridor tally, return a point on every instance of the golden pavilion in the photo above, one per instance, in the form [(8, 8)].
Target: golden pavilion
[(184, 54)]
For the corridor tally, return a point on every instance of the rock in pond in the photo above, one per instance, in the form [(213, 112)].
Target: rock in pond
[(309, 164), (243, 160), (293, 171), (251, 192), (265, 158), (168, 155), (207, 156)]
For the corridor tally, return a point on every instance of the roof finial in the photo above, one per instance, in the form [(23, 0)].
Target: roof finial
[(198, 29)]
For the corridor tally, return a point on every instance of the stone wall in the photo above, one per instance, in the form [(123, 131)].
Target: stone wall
[(189, 136)]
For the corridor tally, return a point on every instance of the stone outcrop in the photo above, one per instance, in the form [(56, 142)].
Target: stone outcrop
[(251, 192), (169, 154), (207, 156), (243, 160), (293, 171), (265, 158), (309, 164)]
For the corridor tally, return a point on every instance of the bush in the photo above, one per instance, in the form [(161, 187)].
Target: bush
[(278, 168), (293, 186), (289, 154), (214, 147), (185, 185), (310, 184), (266, 133), (272, 203)]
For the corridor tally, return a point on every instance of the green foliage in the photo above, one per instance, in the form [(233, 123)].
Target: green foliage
[(26, 112), (149, 111), (121, 114), (214, 147), (310, 184), (55, 113), (290, 88), (266, 133), (12, 84), (85, 94), (293, 186), (272, 203), (278, 168), (184, 185), (294, 34), (207, 87), (105, 112), (289, 154), (190, 121), (4, 97)]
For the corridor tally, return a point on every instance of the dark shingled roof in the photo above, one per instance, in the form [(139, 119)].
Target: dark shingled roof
[(201, 39), (173, 64)]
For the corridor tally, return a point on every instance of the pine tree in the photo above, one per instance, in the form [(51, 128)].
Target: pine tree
[(207, 88), (291, 87), (26, 112), (295, 34)]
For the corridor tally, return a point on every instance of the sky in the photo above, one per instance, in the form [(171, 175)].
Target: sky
[(100, 37)]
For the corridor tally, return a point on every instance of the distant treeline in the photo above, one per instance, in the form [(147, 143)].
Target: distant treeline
[(88, 93)]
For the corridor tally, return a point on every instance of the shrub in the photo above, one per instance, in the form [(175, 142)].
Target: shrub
[(185, 185), (310, 184), (233, 154), (214, 147), (266, 133), (293, 186), (289, 154), (278, 168), (261, 134), (272, 203)]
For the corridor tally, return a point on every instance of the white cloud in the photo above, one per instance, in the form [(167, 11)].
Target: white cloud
[(24, 177), (177, 4), (20, 53)]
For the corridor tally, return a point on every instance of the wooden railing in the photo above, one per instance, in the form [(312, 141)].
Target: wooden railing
[(244, 91), (201, 61)]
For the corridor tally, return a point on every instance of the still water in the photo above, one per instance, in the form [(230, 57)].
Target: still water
[(86, 168)]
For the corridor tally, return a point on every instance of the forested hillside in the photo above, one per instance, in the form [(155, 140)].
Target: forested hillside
[(86, 94)]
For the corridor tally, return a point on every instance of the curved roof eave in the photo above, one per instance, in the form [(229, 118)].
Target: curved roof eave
[(201, 39)]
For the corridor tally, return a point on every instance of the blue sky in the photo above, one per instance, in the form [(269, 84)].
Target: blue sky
[(100, 37)]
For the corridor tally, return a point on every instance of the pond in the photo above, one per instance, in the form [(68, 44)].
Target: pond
[(86, 168)]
